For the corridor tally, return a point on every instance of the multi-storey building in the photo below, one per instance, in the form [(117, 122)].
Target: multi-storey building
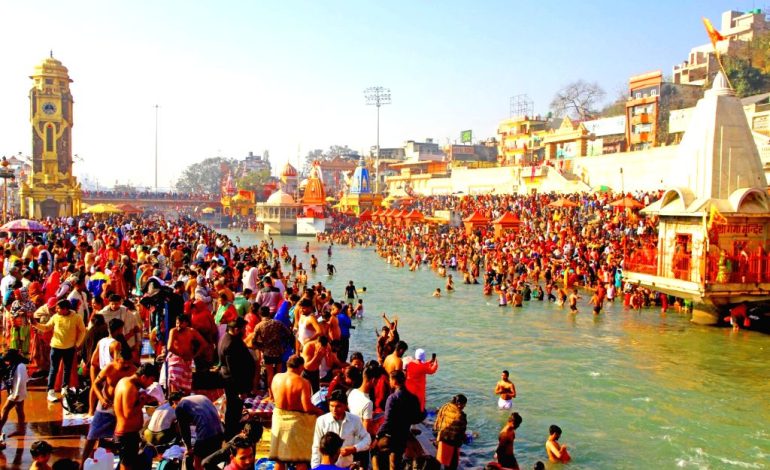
[(738, 29), (520, 140), (255, 163), (642, 110)]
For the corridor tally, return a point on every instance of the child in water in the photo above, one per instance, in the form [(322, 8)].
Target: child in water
[(556, 452), (437, 292), (359, 310)]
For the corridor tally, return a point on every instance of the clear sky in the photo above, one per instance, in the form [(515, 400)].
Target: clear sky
[(288, 76)]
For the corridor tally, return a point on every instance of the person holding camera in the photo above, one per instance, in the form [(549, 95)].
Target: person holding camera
[(417, 370)]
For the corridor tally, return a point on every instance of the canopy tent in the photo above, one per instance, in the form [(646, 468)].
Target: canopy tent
[(507, 221), (365, 216), (477, 219), (414, 216)]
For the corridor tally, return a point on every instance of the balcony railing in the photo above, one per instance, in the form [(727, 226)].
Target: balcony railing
[(740, 269)]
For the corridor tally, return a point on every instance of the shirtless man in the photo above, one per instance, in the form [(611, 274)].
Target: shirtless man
[(103, 423), (597, 301), (573, 298), (387, 339), (294, 417), (556, 452), (506, 390), (101, 357), (394, 361), (505, 453), (184, 345), (315, 354), (128, 412)]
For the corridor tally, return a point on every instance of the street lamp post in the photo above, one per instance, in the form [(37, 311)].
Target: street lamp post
[(377, 96), (5, 173), (156, 148)]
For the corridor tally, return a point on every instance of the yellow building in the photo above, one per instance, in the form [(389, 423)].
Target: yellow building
[(242, 203), (569, 140), (359, 196), (519, 139), (50, 189)]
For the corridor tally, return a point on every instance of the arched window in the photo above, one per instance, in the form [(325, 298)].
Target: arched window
[(49, 138)]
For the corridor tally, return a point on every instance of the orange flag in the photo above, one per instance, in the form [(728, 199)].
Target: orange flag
[(712, 32)]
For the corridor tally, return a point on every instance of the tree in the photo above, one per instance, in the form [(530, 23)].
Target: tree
[(673, 97), (205, 177), (577, 100), (745, 79), (254, 180), (759, 52)]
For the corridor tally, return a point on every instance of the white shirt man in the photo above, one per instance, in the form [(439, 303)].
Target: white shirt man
[(360, 405), (346, 425), (131, 323), (251, 278)]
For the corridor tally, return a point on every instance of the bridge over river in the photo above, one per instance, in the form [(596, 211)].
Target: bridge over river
[(160, 201)]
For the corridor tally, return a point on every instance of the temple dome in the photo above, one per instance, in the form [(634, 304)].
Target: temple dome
[(360, 182), (289, 171), (280, 198), (51, 67), (314, 191)]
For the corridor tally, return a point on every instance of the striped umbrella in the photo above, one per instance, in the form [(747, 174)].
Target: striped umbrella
[(23, 225)]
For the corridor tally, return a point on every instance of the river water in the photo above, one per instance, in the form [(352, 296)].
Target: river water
[(629, 390)]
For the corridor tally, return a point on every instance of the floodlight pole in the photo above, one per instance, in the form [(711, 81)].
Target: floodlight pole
[(156, 148), (377, 96)]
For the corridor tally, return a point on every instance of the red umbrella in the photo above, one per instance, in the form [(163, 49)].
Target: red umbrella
[(627, 202), (562, 202), (129, 209)]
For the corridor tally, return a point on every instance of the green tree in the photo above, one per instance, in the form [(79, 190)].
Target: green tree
[(254, 180), (745, 79), (205, 177)]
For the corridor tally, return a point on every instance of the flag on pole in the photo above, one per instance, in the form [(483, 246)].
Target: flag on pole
[(715, 217), (712, 32), (466, 137)]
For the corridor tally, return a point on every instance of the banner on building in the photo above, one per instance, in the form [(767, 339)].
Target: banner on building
[(466, 137)]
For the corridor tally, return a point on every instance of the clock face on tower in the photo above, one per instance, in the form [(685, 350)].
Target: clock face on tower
[(49, 108)]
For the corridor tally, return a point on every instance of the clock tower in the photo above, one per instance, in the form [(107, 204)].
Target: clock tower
[(50, 190)]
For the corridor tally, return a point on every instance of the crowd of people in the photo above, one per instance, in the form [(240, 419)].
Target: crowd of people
[(173, 319), (556, 248), (144, 195)]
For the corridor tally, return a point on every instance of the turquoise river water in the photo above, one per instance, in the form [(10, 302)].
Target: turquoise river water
[(630, 390)]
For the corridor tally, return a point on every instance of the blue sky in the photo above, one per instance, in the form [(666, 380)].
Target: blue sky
[(237, 76)]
